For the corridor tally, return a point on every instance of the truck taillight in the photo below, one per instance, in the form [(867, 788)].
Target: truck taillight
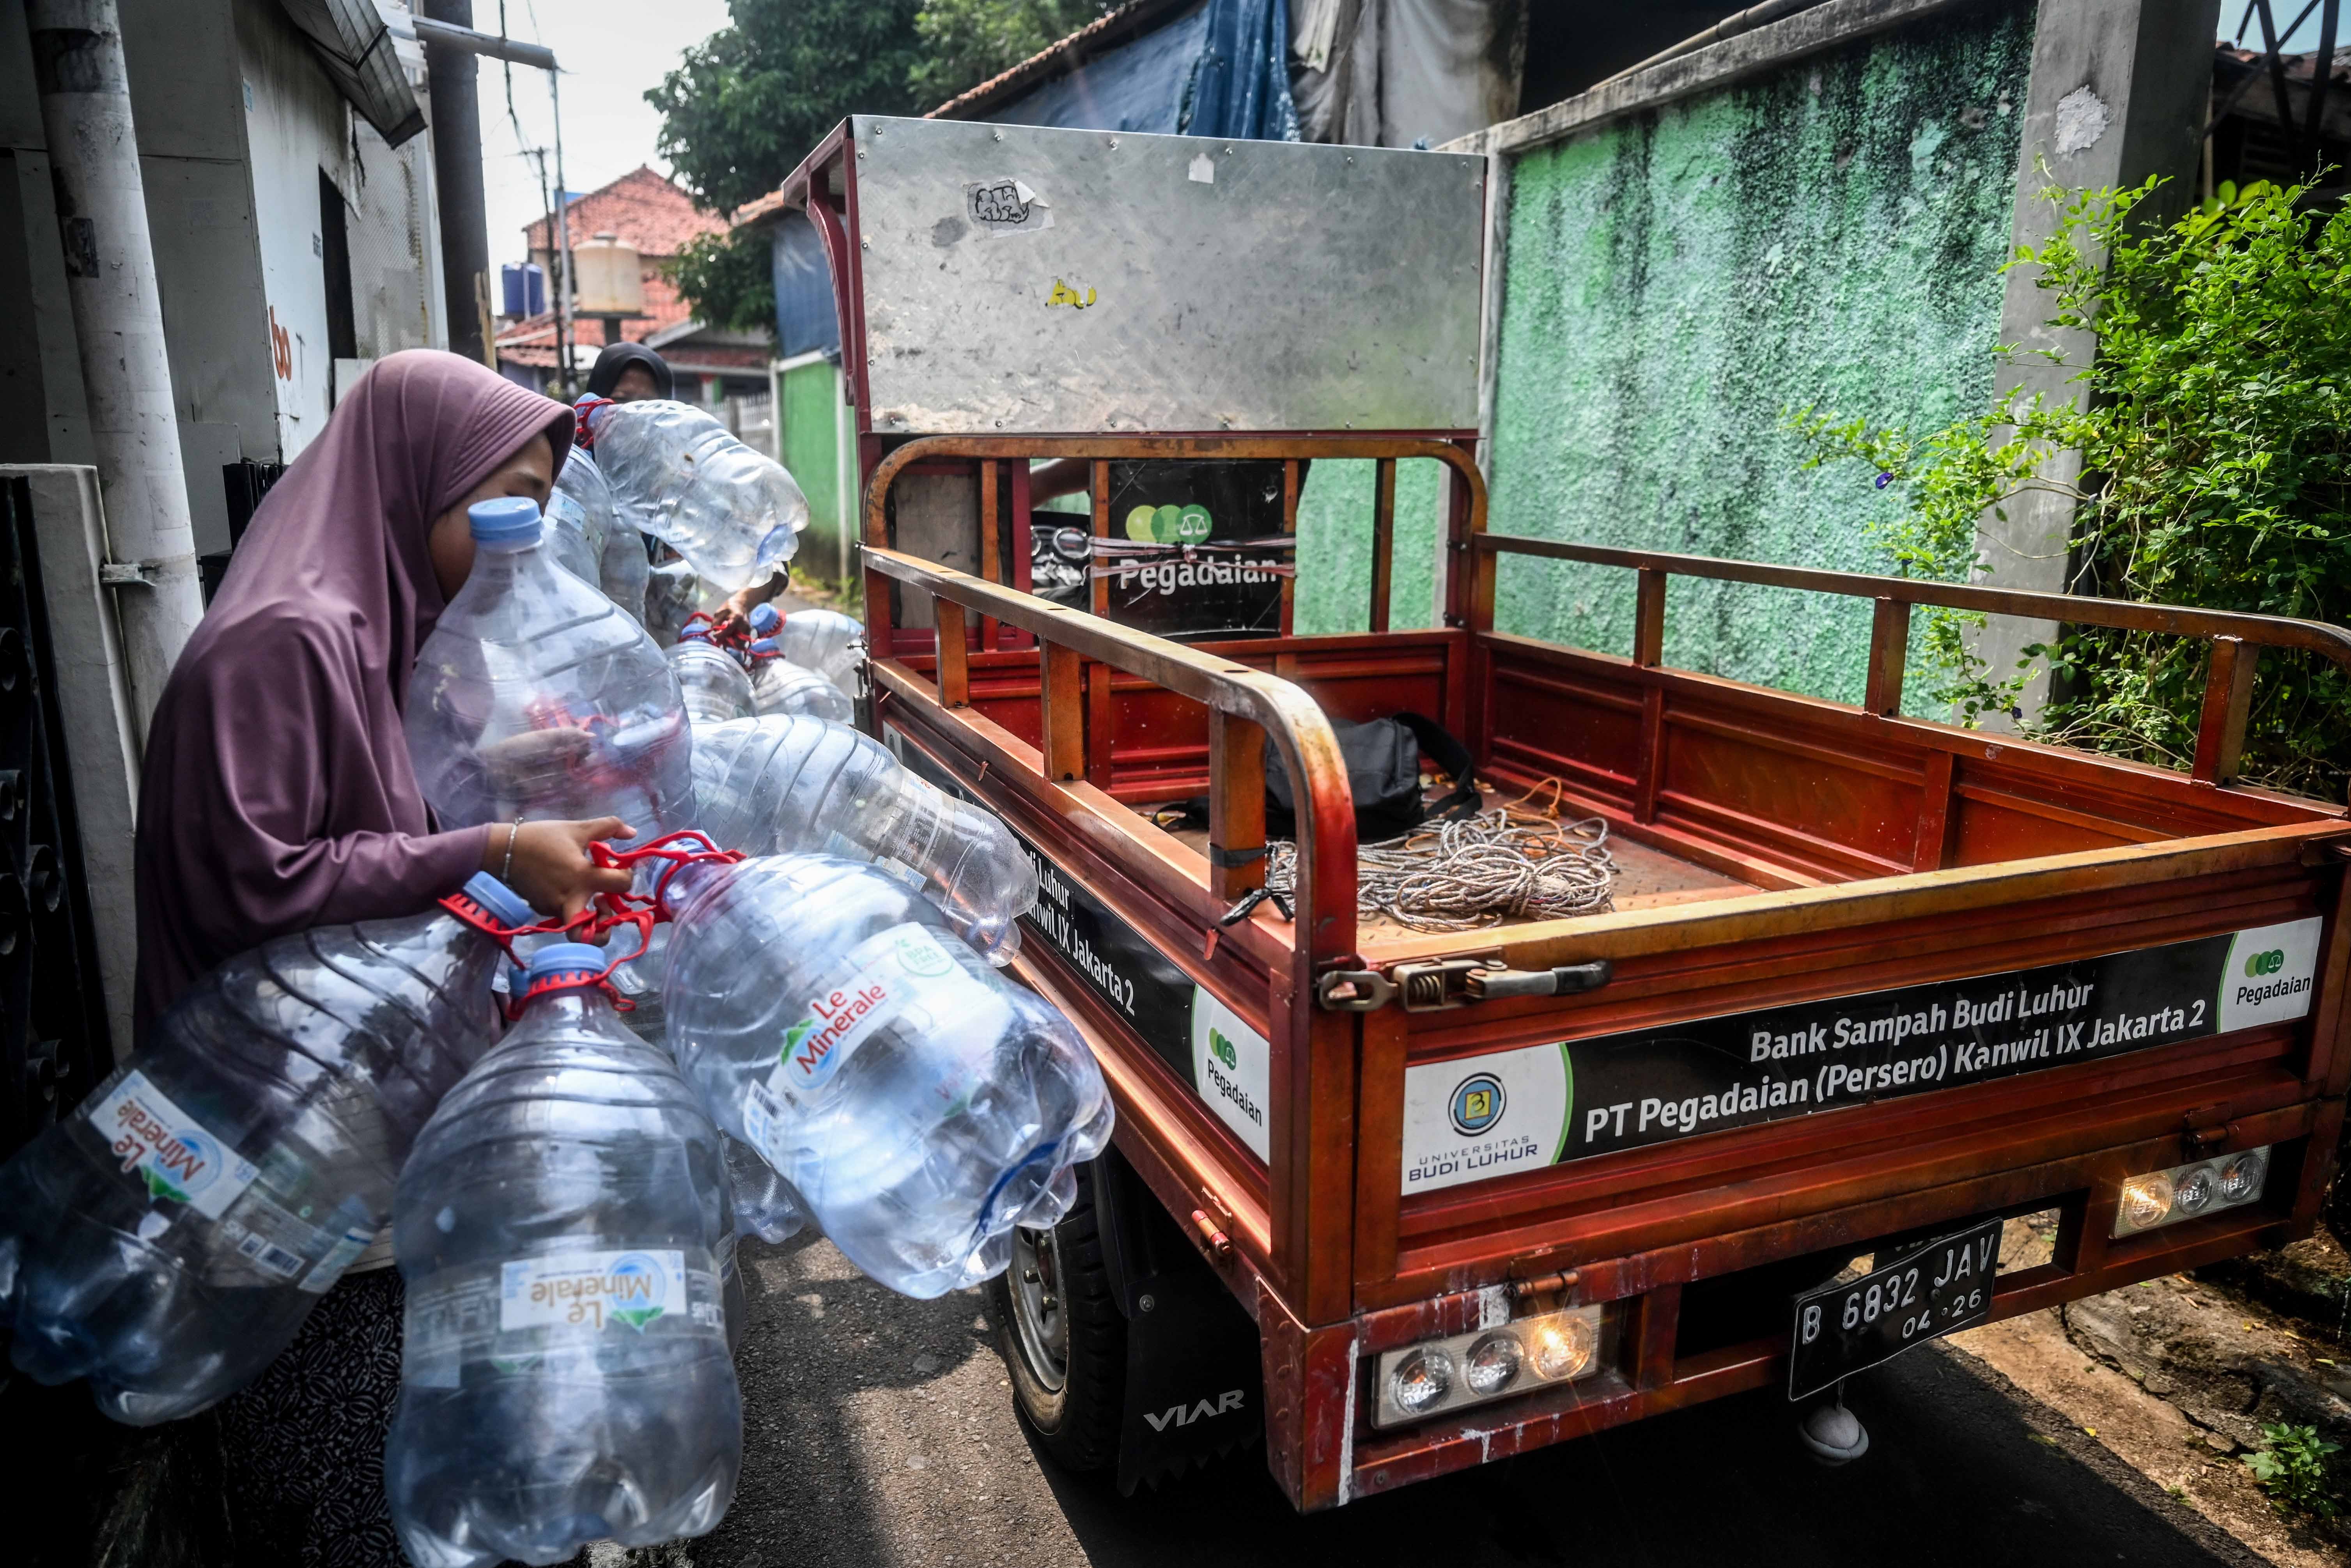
[(1438, 1375), (2184, 1191)]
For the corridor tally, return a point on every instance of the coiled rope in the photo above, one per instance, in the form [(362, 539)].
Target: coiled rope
[(1509, 863)]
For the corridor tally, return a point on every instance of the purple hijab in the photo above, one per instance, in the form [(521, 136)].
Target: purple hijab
[(277, 792)]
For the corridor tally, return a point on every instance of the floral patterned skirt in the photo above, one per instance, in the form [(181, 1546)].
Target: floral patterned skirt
[(303, 1448)]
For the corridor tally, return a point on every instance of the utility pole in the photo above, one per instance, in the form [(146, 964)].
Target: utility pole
[(451, 35), (564, 333), (85, 91), (451, 78)]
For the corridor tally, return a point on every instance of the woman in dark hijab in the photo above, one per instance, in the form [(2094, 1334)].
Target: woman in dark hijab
[(276, 795), (628, 371)]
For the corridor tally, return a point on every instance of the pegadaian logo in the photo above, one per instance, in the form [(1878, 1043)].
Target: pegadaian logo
[(2268, 963), (1476, 1104), (1222, 1049), (1170, 525)]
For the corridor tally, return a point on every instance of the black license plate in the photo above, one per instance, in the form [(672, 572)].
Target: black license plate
[(1926, 1291)]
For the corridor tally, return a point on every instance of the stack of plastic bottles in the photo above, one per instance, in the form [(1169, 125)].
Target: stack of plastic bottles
[(685, 479), (565, 1375), (574, 536), (779, 686), (918, 1104), (716, 686), (610, 549), (770, 786), (167, 1240), (672, 599), (824, 641), (536, 697)]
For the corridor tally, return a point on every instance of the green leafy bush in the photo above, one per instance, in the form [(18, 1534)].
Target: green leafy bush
[(2214, 425), (966, 42), (2293, 1470)]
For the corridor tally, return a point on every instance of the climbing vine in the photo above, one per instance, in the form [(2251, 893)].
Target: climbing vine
[(2214, 429)]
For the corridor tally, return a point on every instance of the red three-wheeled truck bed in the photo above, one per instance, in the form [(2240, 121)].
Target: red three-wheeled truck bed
[(1872, 984)]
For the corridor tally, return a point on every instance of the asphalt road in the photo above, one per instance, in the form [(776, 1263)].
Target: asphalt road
[(881, 1435)]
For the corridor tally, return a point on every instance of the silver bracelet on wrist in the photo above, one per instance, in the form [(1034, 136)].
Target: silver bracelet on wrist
[(506, 872)]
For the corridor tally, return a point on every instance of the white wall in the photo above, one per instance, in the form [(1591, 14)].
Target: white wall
[(396, 299), (296, 125)]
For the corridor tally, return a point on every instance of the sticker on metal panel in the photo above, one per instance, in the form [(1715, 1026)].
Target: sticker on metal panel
[(1232, 1069), (1007, 206), (1467, 1120), (2268, 976), (1483, 1116)]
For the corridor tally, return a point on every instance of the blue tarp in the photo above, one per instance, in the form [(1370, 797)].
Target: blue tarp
[(1240, 83), (1139, 86), (1220, 70), (805, 321)]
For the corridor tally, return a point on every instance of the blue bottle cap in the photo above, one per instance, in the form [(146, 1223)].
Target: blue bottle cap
[(763, 645), (765, 618), (509, 520), (564, 961), (505, 905)]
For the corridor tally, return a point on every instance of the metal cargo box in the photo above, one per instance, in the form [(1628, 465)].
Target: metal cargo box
[(1017, 279)]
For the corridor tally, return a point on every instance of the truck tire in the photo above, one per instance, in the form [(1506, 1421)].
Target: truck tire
[(1063, 1338)]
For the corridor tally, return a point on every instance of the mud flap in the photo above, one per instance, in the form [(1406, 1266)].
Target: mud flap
[(1194, 1380)]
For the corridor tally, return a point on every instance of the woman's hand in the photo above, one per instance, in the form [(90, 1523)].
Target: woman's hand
[(739, 604), (550, 867)]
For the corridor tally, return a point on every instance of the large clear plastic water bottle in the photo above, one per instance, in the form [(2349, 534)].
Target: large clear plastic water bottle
[(688, 482), (167, 1240), (717, 688), (769, 786), (672, 596), (779, 686), (564, 1375), (765, 1205), (536, 697), (825, 641), (611, 546), (573, 539), (917, 1103)]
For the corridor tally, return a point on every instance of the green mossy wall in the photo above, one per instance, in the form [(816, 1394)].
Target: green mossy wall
[(811, 417), (1676, 282), (1334, 547)]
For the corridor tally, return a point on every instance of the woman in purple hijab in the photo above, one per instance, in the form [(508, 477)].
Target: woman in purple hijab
[(276, 795)]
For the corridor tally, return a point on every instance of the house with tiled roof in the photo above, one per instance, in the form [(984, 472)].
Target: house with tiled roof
[(647, 211)]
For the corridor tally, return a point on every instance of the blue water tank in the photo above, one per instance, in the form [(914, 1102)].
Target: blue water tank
[(524, 288)]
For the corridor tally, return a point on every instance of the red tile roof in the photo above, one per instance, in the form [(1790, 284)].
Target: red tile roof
[(640, 207)]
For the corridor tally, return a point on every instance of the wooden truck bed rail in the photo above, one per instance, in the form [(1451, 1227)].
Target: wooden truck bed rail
[(2228, 682), (1858, 852)]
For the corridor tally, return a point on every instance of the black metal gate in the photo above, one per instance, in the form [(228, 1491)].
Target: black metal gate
[(54, 1046)]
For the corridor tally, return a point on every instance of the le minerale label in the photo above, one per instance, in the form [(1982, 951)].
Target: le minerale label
[(1479, 1117)]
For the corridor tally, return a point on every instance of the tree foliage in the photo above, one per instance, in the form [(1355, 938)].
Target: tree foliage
[(729, 279), (751, 100), (2214, 425), (966, 42)]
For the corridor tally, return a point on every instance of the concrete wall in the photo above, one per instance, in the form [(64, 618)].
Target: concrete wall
[(1334, 546), (1675, 280), (296, 127), (182, 58), (235, 119), (810, 418)]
